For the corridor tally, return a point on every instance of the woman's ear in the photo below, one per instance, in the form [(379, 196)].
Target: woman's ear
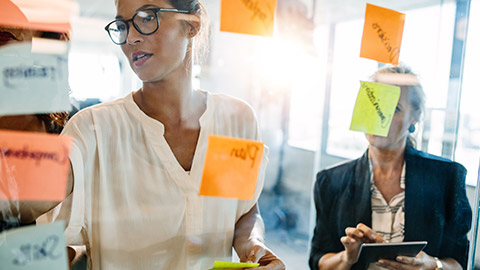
[(194, 25)]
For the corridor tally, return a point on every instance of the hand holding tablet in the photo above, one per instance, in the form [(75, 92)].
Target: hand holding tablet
[(372, 252)]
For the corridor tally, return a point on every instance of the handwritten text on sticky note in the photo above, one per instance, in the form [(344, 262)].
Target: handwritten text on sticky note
[(231, 167), (232, 265), (382, 34), (374, 108), (34, 166), (39, 247), (253, 17), (32, 82)]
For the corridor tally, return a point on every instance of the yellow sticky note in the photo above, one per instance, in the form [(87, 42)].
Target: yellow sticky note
[(232, 265), (382, 34), (231, 167), (374, 108), (253, 17)]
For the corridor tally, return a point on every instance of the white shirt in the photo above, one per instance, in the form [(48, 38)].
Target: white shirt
[(388, 219), (133, 205)]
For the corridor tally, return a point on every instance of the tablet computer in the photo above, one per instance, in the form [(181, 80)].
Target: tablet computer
[(373, 252)]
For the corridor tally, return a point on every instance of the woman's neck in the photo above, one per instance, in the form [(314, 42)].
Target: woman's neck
[(387, 160), (171, 100)]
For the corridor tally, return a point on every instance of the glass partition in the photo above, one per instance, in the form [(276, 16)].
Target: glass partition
[(302, 84)]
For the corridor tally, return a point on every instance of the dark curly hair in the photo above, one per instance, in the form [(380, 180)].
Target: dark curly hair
[(54, 122)]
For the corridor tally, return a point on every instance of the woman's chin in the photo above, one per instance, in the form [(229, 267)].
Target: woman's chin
[(148, 78)]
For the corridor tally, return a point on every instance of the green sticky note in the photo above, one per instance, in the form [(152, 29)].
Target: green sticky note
[(39, 247), (232, 265), (374, 108)]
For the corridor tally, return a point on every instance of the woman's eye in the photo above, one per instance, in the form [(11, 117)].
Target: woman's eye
[(397, 109), (148, 19)]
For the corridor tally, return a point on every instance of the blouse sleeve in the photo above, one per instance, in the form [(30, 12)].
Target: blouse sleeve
[(248, 129), (72, 209)]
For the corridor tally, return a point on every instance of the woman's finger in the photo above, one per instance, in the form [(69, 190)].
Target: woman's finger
[(354, 232), (408, 260), (393, 265), (370, 235)]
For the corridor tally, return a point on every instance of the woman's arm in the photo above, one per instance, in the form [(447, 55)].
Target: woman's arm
[(28, 211), (249, 242)]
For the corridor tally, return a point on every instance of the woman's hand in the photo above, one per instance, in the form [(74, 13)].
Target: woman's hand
[(421, 261), (354, 238), (71, 254), (352, 241), (259, 253), (249, 244)]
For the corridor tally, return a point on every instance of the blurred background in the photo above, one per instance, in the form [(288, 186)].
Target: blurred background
[(303, 83)]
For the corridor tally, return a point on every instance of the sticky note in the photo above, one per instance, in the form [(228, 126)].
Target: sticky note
[(231, 167), (43, 15), (232, 265), (253, 17), (49, 46), (34, 166), (39, 247), (374, 108), (32, 82), (382, 34)]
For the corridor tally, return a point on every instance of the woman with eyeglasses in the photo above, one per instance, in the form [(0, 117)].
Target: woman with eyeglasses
[(137, 161)]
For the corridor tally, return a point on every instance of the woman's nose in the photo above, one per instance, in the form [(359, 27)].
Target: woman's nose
[(133, 36)]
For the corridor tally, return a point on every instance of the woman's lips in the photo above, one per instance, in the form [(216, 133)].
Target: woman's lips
[(6, 36), (139, 58)]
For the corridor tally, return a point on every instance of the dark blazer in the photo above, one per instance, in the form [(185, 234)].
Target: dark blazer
[(6, 225), (436, 205)]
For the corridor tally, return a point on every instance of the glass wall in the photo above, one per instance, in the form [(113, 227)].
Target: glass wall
[(302, 84)]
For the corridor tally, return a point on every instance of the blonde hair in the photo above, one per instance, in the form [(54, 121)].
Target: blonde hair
[(408, 81)]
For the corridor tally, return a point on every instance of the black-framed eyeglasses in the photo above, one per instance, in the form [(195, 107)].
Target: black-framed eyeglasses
[(146, 22)]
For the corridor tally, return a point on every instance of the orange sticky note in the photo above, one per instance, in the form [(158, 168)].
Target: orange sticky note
[(253, 17), (231, 167), (33, 166), (382, 34), (43, 15)]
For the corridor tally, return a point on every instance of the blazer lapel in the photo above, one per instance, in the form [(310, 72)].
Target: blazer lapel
[(362, 191), (414, 194)]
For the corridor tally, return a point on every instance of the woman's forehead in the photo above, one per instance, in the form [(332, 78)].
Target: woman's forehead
[(127, 8), (404, 99)]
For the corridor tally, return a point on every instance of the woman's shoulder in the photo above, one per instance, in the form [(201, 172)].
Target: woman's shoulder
[(99, 116), (338, 174), (232, 109), (230, 103), (102, 109), (433, 160)]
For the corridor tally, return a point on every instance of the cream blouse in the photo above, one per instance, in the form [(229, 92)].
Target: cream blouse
[(133, 205)]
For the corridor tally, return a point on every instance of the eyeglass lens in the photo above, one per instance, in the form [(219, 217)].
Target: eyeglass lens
[(145, 21)]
